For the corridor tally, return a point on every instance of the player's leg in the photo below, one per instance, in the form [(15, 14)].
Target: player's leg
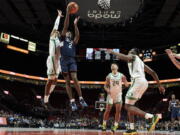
[(69, 91), (178, 114), (76, 83), (65, 71), (118, 112), (68, 85), (132, 96), (47, 90), (173, 117), (50, 85), (118, 107), (51, 82), (73, 70), (107, 112), (131, 120), (55, 77)]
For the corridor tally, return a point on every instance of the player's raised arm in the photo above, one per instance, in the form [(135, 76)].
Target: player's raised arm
[(151, 72), (77, 35), (125, 81), (66, 22), (176, 56), (107, 85), (56, 24), (122, 56), (172, 58)]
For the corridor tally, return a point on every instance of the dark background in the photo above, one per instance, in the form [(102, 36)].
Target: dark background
[(157, 27)]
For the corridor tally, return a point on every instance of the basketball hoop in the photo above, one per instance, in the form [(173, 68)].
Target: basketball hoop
[(104, 4)]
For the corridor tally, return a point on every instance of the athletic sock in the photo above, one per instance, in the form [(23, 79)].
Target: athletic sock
[(46, 99), (80, 98), (72, 100), (131, 126), (115, 124), (148, 116), (104, 122)]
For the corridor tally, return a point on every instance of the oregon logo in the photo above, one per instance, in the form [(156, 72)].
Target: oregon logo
[(129, 94)]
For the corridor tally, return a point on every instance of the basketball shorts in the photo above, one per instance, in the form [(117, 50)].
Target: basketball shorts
[(137, 89), (53, 67), (175, 113), (118, 99), (68, 64)]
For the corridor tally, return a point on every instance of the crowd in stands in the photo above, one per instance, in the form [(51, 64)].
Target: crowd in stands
[(76, 121), (23, 109)]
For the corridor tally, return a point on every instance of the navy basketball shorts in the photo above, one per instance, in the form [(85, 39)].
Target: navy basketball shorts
[(68, 64), (175, 113)]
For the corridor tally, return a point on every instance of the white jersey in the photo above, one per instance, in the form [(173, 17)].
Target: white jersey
[(54, 47), (115, 88), (115, 81), (53, 60), (136, 68)]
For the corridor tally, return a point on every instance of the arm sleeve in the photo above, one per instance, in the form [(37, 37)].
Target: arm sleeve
[(56, 24)]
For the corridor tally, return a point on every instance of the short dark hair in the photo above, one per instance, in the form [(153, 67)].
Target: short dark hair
[(114, 64)]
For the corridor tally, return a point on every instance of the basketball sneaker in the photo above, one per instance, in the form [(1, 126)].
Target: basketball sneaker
[(83, 103), (130, 132), (104, 127), (114, 128), (153, 123), (73, 106)]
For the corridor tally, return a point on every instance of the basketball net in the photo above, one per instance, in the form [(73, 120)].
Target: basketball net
[(104, 4)]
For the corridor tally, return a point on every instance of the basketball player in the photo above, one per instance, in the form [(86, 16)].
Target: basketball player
[(113, 87), (53, 63), (139, 85), (173, 108), (173, 58), (68, 62)]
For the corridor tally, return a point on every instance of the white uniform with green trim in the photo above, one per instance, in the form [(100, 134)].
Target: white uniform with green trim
[(116, 85), (53, 60), (139, 83)]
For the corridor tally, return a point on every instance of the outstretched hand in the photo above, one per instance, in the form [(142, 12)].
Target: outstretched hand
[(162, 90), (76, 20), (60, 13)]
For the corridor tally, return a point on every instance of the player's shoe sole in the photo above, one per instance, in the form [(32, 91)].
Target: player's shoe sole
[(114, 129), (103, 129), (133, 133), (155, 120), (130, 132), (83, 103), (73, 106)]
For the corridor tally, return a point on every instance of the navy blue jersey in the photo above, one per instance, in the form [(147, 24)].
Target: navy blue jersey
[(68, 49)]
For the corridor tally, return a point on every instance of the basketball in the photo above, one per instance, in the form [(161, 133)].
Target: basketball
[(73, 7)]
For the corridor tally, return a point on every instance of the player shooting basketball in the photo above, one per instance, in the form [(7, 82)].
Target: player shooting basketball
[(139, 85), (68, 62), (113, 87)]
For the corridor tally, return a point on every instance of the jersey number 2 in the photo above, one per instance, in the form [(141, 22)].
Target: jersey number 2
[(70, 45)]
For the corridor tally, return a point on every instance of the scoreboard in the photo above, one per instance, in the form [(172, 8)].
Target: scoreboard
[(17, 43), (5, 38)]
